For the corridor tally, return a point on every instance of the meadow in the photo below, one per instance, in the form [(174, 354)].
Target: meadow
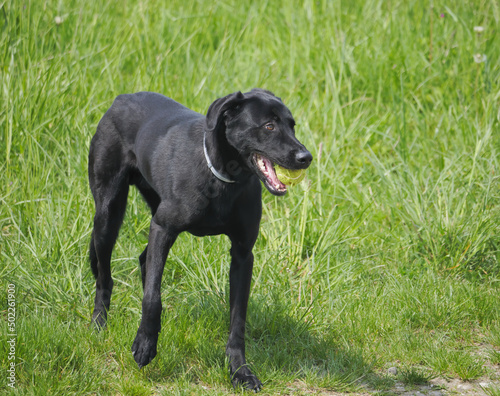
[(386, 256)]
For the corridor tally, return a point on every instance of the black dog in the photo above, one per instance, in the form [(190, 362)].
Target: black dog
[(198, 174)]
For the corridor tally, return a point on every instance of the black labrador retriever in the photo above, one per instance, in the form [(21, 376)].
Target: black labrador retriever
[(197, 174)]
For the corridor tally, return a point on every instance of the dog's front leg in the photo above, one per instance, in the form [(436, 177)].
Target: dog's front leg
[(240, 276), (161, 240)]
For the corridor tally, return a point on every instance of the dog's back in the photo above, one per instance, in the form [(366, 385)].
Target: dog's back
[(136, 126), (131, 112)]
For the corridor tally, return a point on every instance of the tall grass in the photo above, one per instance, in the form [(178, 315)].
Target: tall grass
[(388, 252)]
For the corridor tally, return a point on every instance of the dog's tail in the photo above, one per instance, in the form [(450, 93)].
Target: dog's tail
[(93, 256)]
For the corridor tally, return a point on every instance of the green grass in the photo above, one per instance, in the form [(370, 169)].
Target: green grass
[(492, 391), (388, 252), (414, 376)]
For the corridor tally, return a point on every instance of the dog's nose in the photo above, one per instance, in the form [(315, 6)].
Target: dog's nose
[(303, 157)]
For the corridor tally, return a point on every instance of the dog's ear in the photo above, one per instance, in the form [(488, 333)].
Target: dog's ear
[(218, 108)]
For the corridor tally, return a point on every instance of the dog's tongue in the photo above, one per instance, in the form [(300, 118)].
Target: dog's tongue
[(271, 175), (268, 171)]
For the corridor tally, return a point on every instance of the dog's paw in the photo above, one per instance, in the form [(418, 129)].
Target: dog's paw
[(247, 380), (144, 349), (99, 320)]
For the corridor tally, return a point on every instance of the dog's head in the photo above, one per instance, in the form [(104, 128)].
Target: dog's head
[(261, 129)]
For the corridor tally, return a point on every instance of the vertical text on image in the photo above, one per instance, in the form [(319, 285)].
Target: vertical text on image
[(11, 335)]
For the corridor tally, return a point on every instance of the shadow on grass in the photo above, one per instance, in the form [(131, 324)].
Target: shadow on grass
[(281, 345), (59, 352), (283, 351)]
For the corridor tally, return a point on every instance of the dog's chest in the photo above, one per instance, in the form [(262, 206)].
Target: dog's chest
[(219, 212), (217, 218)]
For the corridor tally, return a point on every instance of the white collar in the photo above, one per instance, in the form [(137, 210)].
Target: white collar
[(216, 173)]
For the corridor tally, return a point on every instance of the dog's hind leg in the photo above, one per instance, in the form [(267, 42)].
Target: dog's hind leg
[(107, 222), (109, 183)]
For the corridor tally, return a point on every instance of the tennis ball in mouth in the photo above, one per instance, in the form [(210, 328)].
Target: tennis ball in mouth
[(289, 177)]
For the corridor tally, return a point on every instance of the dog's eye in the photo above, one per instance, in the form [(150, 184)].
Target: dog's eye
[(269, 126)]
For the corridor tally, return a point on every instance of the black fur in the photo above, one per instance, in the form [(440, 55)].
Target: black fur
[(152, 142)]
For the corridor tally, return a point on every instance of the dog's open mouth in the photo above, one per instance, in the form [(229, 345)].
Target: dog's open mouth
[(268, 175)]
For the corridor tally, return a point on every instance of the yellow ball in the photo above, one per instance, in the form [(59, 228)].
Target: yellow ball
[(289, 177)]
